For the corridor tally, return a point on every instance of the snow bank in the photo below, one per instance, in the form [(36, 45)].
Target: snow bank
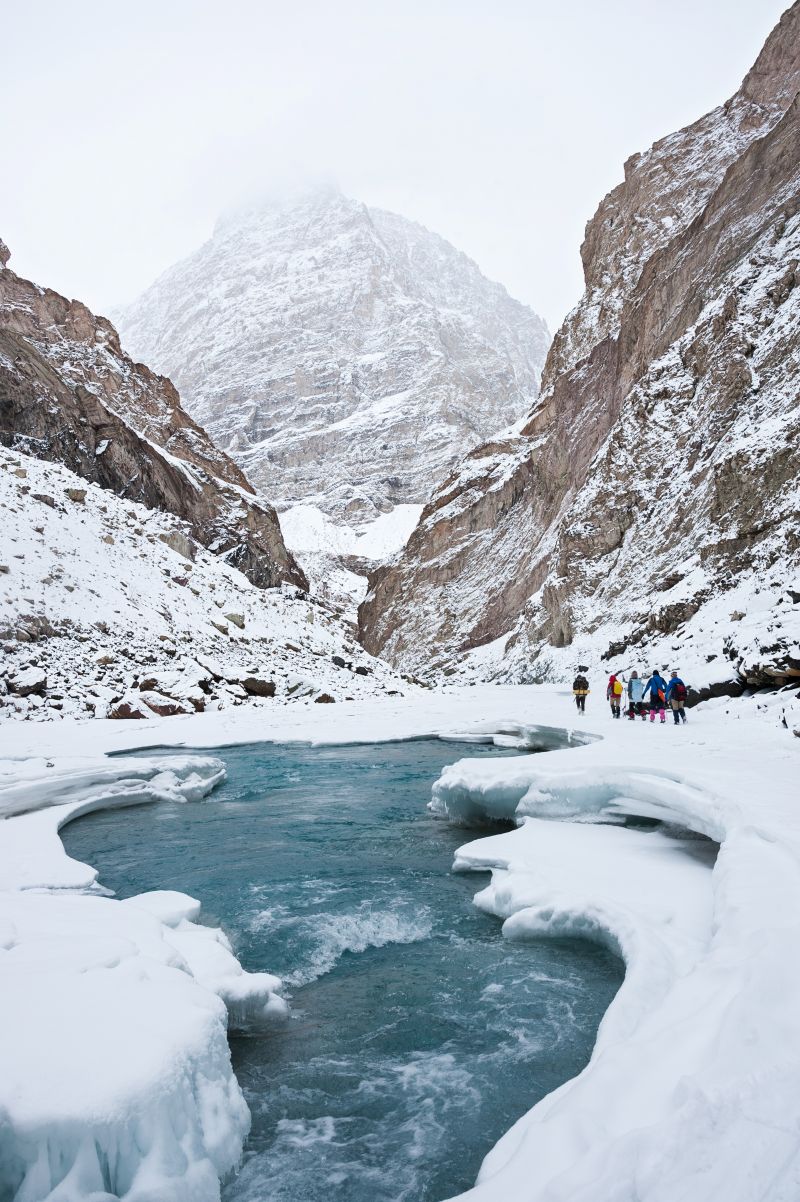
[(693, 1088), (116, 1078)]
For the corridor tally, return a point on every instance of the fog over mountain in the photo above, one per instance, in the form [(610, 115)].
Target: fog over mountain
[(344, 356)]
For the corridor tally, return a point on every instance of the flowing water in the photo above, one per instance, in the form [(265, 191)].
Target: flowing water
[(417, 1034)]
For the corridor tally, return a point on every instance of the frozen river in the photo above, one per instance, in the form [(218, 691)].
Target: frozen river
[(417, 1034)]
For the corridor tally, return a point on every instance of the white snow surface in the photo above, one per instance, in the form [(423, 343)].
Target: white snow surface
[(692, 1090), (324, 548)]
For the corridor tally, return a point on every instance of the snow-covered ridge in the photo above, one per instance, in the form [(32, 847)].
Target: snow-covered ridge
[(71, 395), (648, 510), (344, 356)]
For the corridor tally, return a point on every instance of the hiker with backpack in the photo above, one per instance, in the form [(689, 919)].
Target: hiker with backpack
[(657, 688), (636, 697), (614, 695), (676, 697), (580, 687)]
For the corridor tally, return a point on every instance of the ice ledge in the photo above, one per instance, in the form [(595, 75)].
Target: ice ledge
[(117, 1080), (693, 1090)]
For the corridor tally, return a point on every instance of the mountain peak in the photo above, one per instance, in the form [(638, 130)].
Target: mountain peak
[(343, 355)]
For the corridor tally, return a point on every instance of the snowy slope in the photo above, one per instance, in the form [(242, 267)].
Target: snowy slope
[(337, 557), (649, 509), (345, 357), (100, 595)]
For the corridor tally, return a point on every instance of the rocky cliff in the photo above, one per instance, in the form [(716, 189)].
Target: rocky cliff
[(344, 356), (68, 393), (651, 504)]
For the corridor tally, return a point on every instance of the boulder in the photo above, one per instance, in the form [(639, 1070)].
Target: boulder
[(236, 620), (129, 706), (324, 699), (300, 686), (165, 707), (256, 687), (28, 682), (179, 542), (76, 494), (233, 690), (338, 661)]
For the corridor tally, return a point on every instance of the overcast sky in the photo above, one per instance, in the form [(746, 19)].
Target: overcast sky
[(128, 127)]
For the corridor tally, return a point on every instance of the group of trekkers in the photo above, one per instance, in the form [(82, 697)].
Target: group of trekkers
[(654, 697)]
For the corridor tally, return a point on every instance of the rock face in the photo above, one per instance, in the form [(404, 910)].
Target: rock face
[(68, 393), (654, 488), (344, 356)]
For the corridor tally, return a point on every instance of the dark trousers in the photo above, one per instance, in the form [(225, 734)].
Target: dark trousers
[(581, 703), (635, 707)]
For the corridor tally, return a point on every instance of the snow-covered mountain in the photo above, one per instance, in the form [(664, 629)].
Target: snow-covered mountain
[(139, 573), (650, 507), (70, 394), (344, 356)]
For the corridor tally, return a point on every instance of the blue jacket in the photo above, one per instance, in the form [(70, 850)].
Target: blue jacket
[(655, 683), (674, 680), (636, 690)]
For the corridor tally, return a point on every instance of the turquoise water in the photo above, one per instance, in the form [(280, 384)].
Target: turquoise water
[(417, 1034)]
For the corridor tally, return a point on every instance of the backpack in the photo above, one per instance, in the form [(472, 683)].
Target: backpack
[(617, 688), (679, 692)]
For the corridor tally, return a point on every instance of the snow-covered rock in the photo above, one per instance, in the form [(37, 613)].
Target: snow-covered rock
[(344, 356), (648, 511)]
